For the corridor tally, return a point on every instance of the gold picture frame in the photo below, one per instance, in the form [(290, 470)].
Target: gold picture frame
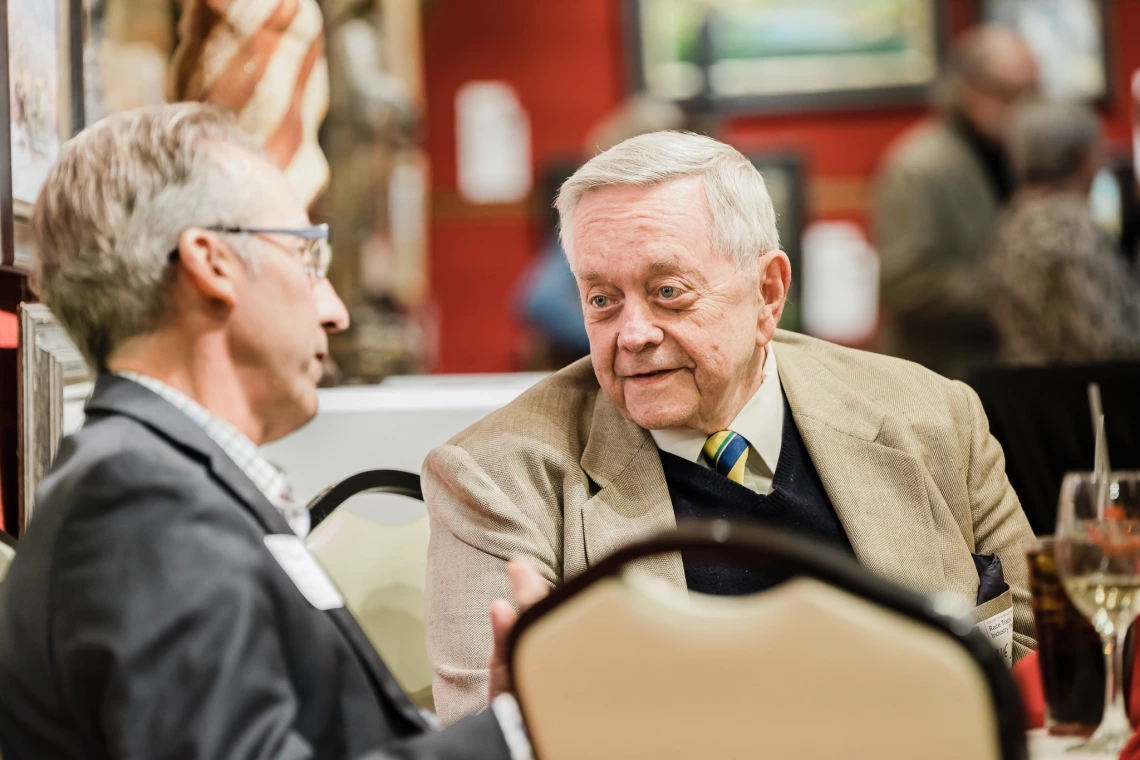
[(51, 371)]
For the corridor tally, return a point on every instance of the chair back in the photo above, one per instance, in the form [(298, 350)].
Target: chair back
[(833, 663), (7, 552), (381, 571), (1041, 418)]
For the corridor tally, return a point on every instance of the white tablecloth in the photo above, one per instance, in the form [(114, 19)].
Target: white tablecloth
[(1045, 747)]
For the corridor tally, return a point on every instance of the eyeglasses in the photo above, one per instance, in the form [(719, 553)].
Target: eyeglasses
[(317, 252)]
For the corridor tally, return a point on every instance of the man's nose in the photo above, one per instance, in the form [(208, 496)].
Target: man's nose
[(637, 330), (331, 310)]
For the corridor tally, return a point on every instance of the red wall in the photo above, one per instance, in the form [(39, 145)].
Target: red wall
[(565, 59)]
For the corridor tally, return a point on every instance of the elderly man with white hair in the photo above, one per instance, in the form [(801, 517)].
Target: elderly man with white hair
[(693, 405)]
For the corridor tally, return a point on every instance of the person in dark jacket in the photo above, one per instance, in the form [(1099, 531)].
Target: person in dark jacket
[(162, 603)]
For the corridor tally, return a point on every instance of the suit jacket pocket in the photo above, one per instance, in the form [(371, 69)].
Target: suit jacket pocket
[(994, 620)]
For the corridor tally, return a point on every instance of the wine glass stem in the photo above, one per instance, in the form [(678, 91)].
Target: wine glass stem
[(1115, 720)]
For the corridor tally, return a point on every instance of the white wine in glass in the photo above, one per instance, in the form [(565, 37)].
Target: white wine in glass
[(1098, 561)]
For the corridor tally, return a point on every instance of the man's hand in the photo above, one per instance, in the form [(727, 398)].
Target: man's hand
[(527, 587)]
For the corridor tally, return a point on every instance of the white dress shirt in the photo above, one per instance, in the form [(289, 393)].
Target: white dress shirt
[(760, 422)]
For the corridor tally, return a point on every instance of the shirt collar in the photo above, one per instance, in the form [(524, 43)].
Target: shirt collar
[(237, 446), (761, 422)]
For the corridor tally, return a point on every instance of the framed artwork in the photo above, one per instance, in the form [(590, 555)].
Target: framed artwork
[(784, 177), (782, 55), (51, 372), (1068, 39), (43, 69)]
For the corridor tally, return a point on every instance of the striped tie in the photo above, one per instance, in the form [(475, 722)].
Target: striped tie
[(728, 452)]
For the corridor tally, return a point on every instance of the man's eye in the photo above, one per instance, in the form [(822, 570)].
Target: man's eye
[(668, 291), (599, 302)]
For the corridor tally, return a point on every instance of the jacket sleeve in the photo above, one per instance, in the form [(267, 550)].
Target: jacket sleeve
[(999, 523), (478, 524), (921, 279), (162, 632), (477, 737)]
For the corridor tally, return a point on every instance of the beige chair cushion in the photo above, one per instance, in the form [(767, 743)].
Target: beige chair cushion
[(381, 571), (7, 554), (628, 670)]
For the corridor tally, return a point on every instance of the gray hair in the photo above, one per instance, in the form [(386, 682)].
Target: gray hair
[(112, 210), (1050, 141), (743, 222)]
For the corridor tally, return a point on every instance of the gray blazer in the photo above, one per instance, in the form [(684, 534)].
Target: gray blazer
[(144, 618)]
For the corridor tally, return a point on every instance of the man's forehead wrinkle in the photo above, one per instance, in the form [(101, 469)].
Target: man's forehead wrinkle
[(631, 227)]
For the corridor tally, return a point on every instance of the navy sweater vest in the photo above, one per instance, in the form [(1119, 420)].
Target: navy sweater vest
[(798, 503)]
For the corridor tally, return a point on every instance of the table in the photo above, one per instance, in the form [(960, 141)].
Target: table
[(1045, 747)]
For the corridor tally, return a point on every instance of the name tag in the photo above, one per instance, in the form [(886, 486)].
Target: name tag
[(999, 631), (302, 568)]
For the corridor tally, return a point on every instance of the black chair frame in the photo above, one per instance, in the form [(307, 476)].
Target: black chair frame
[(396, 482), (778, 550)]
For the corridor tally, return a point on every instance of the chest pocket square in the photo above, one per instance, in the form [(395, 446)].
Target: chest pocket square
[(991, 578)]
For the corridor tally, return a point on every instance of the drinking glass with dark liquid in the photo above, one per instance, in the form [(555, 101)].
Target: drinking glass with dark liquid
[(1068, 650)]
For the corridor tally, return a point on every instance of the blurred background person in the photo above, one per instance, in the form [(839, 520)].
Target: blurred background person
[(547, 296), (1057, 287), (939, 193)]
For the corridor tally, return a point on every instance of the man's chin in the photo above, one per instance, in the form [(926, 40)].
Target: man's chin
[(656, 416)]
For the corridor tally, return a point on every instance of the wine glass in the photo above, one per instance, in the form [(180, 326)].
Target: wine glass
[(1098, 561)]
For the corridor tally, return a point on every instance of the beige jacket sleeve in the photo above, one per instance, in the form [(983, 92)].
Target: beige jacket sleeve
[(476, 528), (999, 523)]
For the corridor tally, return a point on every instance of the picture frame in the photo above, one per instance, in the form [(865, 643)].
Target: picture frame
[(785, 175), (42, 73), (1069, 40), (764, 56), (51, 375)]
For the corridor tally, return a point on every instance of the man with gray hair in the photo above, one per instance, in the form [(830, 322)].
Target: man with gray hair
[(937, 198), (1058, 287), (693, 405), (162, 603)]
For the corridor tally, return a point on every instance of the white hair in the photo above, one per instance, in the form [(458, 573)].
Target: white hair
[(112, 210), (743, 222)]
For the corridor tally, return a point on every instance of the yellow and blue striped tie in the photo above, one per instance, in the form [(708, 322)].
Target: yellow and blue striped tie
[(728, 452)]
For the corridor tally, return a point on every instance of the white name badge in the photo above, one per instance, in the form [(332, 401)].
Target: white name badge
[(998, 630), (302, 568)]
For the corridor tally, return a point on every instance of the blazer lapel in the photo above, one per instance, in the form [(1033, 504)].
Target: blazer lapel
[(633, 501), (879, 492), (116, 395)]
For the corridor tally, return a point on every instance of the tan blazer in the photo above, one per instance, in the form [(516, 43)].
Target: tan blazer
[(561, 477)]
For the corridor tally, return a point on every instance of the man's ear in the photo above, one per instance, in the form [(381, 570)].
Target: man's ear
[(775, 279), (209, 266)]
